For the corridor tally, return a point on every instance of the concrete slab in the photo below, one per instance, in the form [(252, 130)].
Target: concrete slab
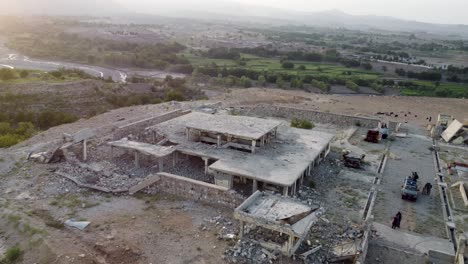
[(238, 126), (148, 149), (452, 130), (148, 181), (81, 135)]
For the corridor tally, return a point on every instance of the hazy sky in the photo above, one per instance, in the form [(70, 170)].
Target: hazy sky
[(437, 11)]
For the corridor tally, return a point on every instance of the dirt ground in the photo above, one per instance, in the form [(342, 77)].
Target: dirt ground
[(167, 230), (364, 105)]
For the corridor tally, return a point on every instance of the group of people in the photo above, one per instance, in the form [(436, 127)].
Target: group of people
[(397, 218)]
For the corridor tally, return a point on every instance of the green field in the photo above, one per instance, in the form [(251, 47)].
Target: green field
[(274, 65), (444, 89)]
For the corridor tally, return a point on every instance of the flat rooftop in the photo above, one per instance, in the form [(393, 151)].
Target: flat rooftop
[(239, 126), (281, 162)]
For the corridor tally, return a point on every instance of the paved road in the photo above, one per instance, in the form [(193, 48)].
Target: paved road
[(411, 241), (13, 60), (10, 59), (425, 215)]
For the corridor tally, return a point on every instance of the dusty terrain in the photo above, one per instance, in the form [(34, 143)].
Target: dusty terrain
[(164, 229), (363, 105)]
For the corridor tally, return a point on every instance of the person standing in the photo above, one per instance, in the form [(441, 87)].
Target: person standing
[(428, 189), (398, 216)]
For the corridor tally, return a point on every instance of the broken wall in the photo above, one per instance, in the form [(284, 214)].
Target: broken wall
[(197, 190), (314, 116), (140, 126)]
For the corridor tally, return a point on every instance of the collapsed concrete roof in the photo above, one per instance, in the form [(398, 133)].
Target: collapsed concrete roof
[(280, 214), (452, 130)]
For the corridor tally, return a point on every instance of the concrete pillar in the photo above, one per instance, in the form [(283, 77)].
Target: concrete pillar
[(293, 192), (254, 143), (219, 141), (290, 244), (85, 151), (153, 133), (112, 152), (160, 164), (241, 231), (174, 159), (255, 186), (137, 159), (285, 190), (206, 165), (187, 132)]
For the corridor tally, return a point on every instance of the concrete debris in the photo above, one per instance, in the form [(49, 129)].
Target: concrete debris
[(312, 251), (38, 157), (249, 251), (81, 225), (225, 229)]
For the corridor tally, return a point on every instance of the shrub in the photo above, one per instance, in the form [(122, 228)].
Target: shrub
[(7, 74), (24, 74), (173, 95), (12, 254), (302, 123), (288, 65), (352, 85), (321, 85), (9, 140), (312, 184), (5, 128)]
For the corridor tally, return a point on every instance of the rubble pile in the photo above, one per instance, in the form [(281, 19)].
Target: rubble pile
[(225, 229), (249, 251), (103, 174), (259, 233)]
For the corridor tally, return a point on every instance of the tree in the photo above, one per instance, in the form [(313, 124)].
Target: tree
[(384, 68), (5, 128), (24, 74), (321, 85), (296, 83), (400, 72), (288, 65), (245, 82), (261, 80), (352, 85), (7, 74), (302, 68), (279, 82), (367, 66)]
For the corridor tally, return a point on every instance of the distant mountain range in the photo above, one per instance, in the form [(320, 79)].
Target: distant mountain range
[(60, 7), (225, 11)]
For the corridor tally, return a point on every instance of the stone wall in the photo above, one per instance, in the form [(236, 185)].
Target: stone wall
[(139, 126), (197, 190), (314, 116)]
